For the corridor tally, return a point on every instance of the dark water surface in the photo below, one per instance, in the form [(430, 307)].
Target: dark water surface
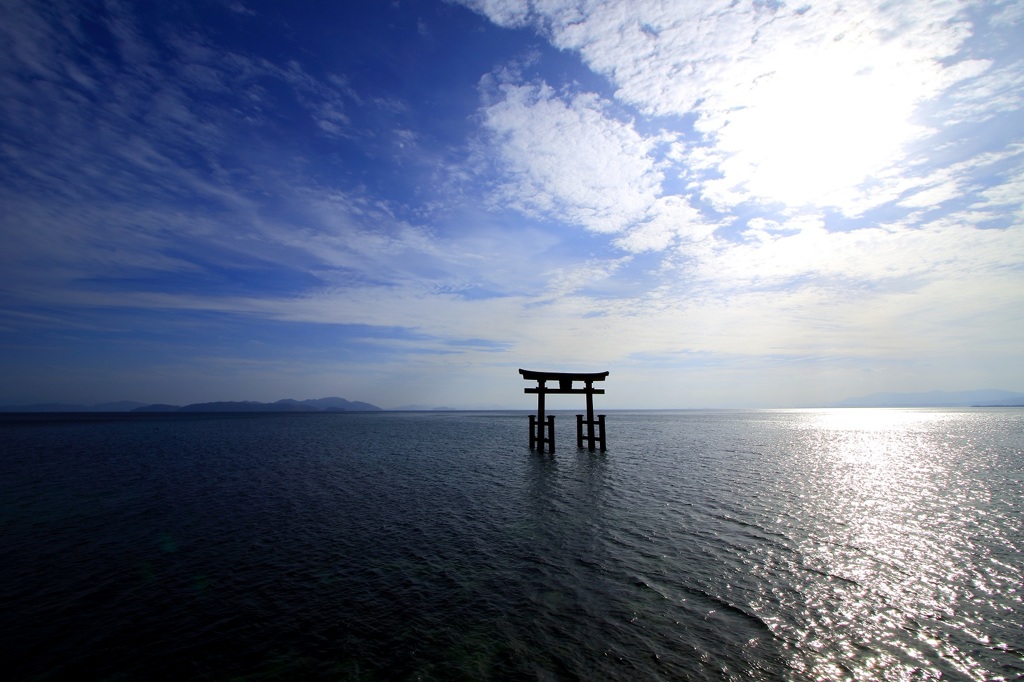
[(815, 544)]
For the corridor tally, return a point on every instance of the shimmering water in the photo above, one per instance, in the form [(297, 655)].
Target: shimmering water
[(843, 544)]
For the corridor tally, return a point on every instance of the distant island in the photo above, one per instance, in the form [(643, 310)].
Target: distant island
[(286, 405)]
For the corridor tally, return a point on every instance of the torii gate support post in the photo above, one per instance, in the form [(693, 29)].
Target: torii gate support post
[(590, 417), (590, 432), (541, 440), (538, 437), (565, 380)]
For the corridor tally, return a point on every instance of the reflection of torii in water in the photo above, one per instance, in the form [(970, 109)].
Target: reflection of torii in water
[(538, 434)]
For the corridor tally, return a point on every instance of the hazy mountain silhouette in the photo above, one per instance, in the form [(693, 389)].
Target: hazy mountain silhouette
[(286, 405), (985, 397)]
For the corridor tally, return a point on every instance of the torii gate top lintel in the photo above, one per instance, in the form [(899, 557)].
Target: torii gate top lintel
[(564, 380), (557, 376)]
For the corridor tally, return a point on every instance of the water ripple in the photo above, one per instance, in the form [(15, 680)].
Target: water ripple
[(841, 544)]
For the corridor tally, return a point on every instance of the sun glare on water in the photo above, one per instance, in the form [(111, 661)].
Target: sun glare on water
[(874, 419), (883, 478)]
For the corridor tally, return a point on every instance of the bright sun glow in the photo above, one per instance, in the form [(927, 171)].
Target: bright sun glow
[(818, 123)]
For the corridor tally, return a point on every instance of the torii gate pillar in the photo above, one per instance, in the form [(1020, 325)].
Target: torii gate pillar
[(543, 433)]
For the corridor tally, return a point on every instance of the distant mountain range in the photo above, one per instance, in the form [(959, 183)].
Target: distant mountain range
[(981, 398), (286, 405)]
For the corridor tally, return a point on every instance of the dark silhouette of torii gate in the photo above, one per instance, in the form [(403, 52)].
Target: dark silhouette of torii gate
[(539, 435)]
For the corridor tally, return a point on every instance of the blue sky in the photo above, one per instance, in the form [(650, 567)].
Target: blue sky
[(721, 203)]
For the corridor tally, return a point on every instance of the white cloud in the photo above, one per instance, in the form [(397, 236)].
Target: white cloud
[(1007, 13), (933, 196), (568, 158), (982, 98), (797, 106), (568, 280), (672, 58), (944, 249), (1006, 197), (670, 219)]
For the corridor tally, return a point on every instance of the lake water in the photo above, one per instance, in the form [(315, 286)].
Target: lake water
[(705, 545)]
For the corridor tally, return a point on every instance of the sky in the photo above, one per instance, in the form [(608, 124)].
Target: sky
[(723, 204)]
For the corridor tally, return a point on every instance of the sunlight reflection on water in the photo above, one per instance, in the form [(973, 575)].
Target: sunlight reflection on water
[(894, 533)]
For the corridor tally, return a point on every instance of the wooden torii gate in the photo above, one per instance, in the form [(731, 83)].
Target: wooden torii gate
[(539, 435)]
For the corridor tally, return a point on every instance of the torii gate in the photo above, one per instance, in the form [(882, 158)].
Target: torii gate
[(538, 434)]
